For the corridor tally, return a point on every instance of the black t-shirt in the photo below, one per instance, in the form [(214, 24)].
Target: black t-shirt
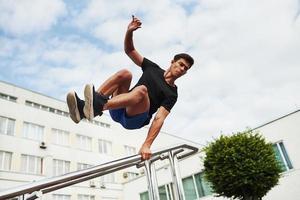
[(160, 93)]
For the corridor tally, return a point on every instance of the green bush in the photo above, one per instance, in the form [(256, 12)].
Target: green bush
[(241, 166)]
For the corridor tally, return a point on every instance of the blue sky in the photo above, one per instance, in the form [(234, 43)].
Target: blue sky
[(246, 54)]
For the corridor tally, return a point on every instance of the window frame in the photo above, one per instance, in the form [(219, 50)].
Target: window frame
[(284, 156), (6, 125), (38, 164), (33, 129), (3, 159), (65, 170), (61, 196), (129, 150), (105, 147), (82, 142), (55, 133)]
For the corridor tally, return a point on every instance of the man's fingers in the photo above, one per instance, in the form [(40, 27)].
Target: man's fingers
[(146, 156), (135, 19)]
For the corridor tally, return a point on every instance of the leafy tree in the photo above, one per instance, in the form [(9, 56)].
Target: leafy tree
[(241, 166)]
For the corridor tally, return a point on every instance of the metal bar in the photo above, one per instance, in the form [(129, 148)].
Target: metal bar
[(179, 180), (184, 154), (53, 188), (177, 183), (69, 183), (154, 181), (36, 186), (66, 179), (150, 184)]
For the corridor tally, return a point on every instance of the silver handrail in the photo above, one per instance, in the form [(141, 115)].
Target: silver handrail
[(54, 183)]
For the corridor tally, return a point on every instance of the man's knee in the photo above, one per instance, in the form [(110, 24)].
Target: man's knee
[(141, 92), (124, 75)]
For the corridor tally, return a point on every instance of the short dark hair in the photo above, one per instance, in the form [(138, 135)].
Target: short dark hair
[(186, 57)]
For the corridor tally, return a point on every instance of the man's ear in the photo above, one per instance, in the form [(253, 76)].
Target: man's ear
[(172, 61)]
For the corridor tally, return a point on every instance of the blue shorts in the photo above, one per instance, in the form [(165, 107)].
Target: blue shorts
[(129, 122)]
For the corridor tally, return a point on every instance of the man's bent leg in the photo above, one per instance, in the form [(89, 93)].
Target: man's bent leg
[(143, 105), (116, 84), (135, 116), (135, 102)]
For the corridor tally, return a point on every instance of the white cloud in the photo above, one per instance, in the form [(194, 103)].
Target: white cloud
[(29, 16), (246, 67), (56, 66), (163, 22), (246, 58)]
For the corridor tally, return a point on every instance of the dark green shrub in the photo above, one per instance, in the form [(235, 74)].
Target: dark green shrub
[(241, 166)]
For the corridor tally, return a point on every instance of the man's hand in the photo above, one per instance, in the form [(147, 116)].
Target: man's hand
[(134, 24), (145, 152)]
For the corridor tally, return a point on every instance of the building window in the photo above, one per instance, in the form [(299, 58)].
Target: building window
[(129, 150), (33, 131), (105, 147), (60, 167), (144, 196), (46, 108), (58, 112), (282, 156), (81, 166), (7, 126), (5, 160), (108, 178), (60, 137), (189, 188), (102, 124), (86, 197), (194, 187), (132, 175), (109, 198), (84, 142), (31, 164), (165, 193), (8, 97), (203, 187), (61, 197)]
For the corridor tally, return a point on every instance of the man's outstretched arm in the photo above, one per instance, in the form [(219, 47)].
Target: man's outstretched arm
[(128, 42), (155, 127)]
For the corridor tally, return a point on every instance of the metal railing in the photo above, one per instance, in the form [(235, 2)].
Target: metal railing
[(174, 153)]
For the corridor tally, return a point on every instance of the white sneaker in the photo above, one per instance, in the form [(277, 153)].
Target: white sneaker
[(75, 105)]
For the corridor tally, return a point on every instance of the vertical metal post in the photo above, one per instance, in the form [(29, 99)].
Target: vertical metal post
[(148, 174), (177, 183), (152, 180)]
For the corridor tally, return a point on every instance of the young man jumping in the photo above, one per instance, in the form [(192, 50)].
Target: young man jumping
[(155, 92)]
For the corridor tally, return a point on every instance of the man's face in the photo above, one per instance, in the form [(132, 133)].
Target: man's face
[(179, 67)]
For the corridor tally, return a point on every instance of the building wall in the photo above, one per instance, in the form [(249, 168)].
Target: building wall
[(103, 128), (285, 130)]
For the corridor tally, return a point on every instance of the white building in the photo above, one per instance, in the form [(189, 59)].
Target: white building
[(38, 140), (282, 132)]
